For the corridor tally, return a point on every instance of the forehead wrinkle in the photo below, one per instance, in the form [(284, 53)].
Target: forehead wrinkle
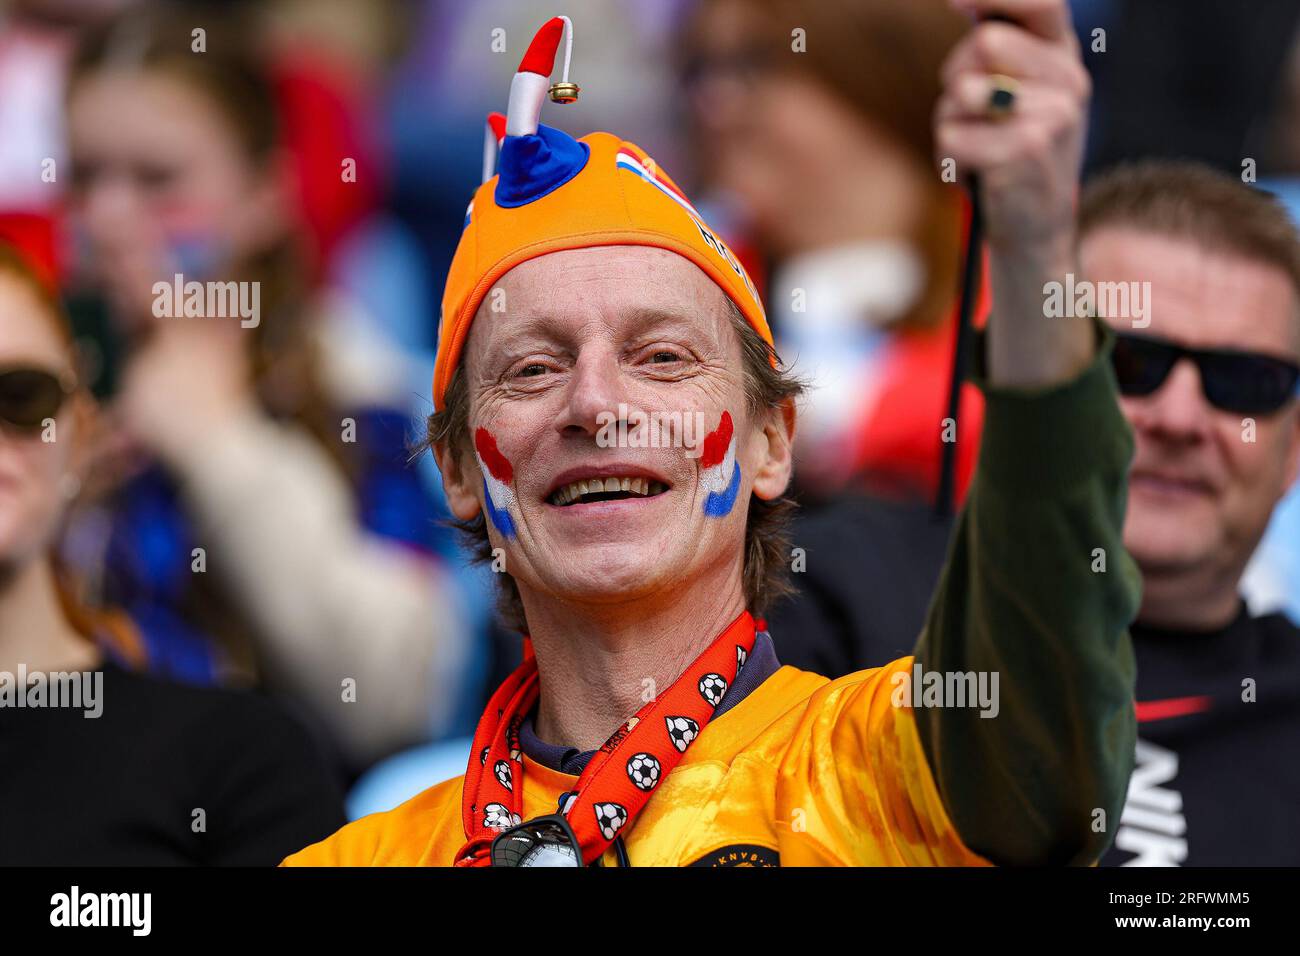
[(654, 318), (546, 326), (548, 303)]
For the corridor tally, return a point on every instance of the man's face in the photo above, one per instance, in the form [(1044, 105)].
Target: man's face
[(560, 343), (1201, 492)]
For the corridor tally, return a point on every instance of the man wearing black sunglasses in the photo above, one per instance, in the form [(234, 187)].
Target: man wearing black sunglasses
[(1210, 389)]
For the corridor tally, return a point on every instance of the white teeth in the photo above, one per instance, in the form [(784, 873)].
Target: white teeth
[(576, 489)]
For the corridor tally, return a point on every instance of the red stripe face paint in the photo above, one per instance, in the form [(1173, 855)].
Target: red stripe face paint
[(719, 471), (496, 463), (497, 475), (716, 443)]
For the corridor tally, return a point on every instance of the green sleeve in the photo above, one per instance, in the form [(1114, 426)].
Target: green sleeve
[(1023, 595)]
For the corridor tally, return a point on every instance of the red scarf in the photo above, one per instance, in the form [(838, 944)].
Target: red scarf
[(620, 777)]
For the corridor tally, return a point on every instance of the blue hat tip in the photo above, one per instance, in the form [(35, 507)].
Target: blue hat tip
[(529, 167)]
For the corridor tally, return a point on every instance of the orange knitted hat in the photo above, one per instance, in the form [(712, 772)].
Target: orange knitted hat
[(553, 192)]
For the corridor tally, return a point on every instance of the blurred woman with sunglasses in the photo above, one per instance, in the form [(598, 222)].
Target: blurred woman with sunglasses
[(267, 526), (140, 771)]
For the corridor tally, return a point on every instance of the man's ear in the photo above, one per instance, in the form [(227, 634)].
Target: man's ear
[(460, 485), (776, 466)]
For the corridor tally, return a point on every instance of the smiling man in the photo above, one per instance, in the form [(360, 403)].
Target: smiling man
[(650, 722), (1210, 388)]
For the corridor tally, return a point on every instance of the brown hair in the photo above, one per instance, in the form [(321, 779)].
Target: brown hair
[(1188, 200), (767, 545), (104, 626), (883, 58), (228, 71), (19, 268)]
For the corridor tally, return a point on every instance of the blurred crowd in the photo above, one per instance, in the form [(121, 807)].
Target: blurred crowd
[(236, 508)]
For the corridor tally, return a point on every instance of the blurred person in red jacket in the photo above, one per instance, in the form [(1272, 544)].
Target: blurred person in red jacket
[(263, 523), (117, 767)]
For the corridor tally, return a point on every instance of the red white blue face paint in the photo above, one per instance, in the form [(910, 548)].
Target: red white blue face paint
[(719, 471), (497, 476)]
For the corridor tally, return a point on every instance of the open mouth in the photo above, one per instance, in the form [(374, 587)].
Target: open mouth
[(605, 489)]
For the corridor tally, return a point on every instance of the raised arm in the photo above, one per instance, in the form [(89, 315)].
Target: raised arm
[(1037, 589)]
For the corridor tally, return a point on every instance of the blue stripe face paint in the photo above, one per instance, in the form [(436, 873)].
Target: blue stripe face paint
[(501, 519), (498, 473), (718, 504)]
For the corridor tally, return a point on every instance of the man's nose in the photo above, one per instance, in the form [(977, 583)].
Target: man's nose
[(1178, 408), (595, 392)]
